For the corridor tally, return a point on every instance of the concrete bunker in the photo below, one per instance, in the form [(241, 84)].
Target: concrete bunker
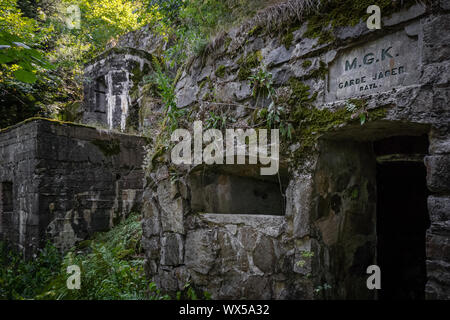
[(63, 182)]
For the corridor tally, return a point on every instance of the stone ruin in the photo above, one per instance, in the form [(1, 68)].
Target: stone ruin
[(347, 196)]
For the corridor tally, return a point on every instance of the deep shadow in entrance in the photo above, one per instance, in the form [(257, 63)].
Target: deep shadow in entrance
[(402, 220)]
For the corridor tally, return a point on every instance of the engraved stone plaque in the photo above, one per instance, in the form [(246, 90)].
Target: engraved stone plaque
[(378, 66)]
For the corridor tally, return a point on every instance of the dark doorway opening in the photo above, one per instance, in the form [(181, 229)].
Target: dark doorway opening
[(100, 95), (402, 217)]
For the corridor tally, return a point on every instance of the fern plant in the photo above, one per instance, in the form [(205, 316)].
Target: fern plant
[(274, 115)]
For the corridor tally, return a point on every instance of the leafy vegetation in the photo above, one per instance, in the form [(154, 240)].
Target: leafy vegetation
[(20, 279), (111, 266), (42, 54), (274, 115)]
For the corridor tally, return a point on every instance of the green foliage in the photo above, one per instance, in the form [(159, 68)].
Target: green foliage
[(321, 288), (262, 84), (104, 20), (248, 62), (275, 116), (111, 267), (306, 64), (23, 279), (220, 71), (216, 121), (358, 108), (27, 79), (166, 90), (255, 31), (22, 60), (287, 39), (305, 256), (41, 58), (189, 293)]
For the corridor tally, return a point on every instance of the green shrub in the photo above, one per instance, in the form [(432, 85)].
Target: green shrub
[(23, 279), (111, 267)]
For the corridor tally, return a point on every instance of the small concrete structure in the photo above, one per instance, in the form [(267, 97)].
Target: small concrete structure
[(64, 181), (111, 89)]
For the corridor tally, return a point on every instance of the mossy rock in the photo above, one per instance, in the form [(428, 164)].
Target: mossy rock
[(255, 31), (334, 14), (306, 64), (220, 72), (287, 39), (310, 122), (247, 63), (319, 73)]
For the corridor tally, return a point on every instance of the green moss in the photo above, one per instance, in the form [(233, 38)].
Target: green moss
[(45, 119), (220, 72), (287, 39), (310, 123), (376, 114), (255, 31), (318, 73), (202, 83), (227, 42), (300, 93), (355, 193), (335, 14), (250, 61), (359, 103), (178, 75), (108, 147), (306, 64)]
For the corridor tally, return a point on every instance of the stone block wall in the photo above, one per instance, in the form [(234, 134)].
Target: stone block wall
[(326, 234), (68, 180), (20, 223), (227, 255)]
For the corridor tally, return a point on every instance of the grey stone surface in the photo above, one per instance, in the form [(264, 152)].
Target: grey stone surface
[(412, 12), (246, 245), (445, 4), (68, 181), (378, 66), (436, 47), (439, 210), (277, 56), (352, 32), (172, 249), (201, 250), (186, 96), (438, 173)]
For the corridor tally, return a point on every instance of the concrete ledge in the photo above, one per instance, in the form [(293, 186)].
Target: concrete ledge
[(267, 224)]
